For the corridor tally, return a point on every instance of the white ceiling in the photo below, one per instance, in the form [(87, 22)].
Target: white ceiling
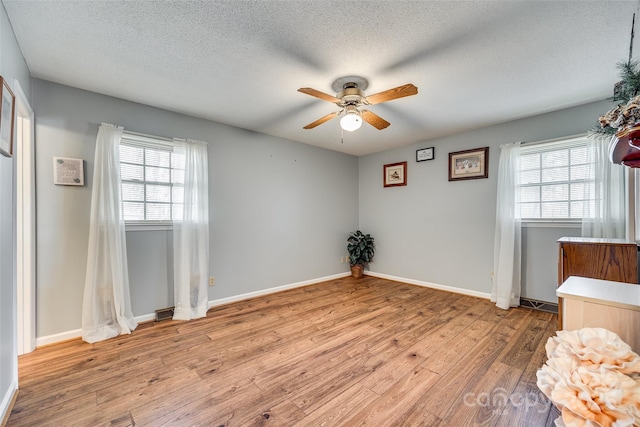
[(241, 62)]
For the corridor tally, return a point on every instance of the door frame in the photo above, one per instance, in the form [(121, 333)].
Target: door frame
[(25, 222)]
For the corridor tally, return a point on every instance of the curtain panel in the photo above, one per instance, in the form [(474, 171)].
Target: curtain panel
[(507, 242), (606, 216), (106, 310), (191, 235)]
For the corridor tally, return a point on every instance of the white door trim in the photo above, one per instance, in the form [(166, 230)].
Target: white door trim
[(25, 222)]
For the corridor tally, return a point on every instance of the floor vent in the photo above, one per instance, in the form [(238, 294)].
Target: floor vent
[(549, 307), (164, 314)]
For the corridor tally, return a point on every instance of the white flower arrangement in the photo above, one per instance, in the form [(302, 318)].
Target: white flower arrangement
[(593, 377)]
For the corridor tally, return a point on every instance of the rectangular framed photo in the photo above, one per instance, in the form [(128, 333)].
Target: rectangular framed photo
[(7, 113), (469, 164), (425, 154), (68, 171), (395, 174)]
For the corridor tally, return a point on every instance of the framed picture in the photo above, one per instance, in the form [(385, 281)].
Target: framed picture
[(469, 164), (7, 112), (424, 154), (395, 174), (68, 171)]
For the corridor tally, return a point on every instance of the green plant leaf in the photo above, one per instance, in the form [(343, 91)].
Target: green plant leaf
[(360, 247)]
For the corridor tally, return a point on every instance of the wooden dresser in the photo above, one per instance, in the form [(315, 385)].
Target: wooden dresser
[(606, 259)]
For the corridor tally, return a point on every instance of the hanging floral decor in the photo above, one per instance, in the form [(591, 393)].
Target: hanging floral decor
[(622, 123), (626, 95)]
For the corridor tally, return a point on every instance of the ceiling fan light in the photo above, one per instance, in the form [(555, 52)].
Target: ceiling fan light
[(351, 121)]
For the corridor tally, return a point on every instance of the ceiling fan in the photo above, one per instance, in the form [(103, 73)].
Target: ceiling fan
[(350, 96)]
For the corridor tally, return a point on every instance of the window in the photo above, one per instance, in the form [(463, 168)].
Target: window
[(556, 180), (152, 180)]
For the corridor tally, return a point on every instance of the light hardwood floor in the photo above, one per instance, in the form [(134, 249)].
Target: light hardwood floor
[(346, 352)]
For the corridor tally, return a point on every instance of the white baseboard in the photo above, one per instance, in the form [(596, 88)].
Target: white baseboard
[(276, 289), (430, 285), (145, 318), (76, 333), (62, 336), (7, 399)]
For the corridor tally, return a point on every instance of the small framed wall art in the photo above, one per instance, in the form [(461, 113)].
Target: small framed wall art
[(68, 171), (7, 113), (395, 174), (469, 164), (424, 154)]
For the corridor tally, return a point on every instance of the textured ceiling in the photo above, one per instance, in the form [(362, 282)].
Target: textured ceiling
[(241, 62)]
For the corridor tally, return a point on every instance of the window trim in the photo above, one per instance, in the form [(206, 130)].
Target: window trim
[(551, 223), (148, 225)]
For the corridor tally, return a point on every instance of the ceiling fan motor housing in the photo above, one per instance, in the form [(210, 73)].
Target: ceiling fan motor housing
[(350, 95), (351, 109)]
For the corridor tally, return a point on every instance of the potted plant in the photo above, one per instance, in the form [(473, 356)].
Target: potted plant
[(361, 250)]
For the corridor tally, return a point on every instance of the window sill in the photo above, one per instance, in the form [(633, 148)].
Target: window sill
[(148, 226), (551, 223)]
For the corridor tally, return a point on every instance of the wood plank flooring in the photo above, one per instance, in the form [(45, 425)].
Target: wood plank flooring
[(341, 353)]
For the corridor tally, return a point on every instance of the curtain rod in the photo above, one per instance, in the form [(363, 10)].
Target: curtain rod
[(162, 138), (157, 138), (146, 135), (577, 135)]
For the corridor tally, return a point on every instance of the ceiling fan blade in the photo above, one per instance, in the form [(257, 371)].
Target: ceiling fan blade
[(388, 95), (318, 94), (322, 120), (374, 120)]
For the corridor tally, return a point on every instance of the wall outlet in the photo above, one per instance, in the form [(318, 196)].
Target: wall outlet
[(212, 281)]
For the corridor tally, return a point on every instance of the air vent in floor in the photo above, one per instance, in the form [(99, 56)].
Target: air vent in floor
[(539, 305), (164, 314)]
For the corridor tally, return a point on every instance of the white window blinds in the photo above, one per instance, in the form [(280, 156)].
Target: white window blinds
[(556, 180), (152, 180)]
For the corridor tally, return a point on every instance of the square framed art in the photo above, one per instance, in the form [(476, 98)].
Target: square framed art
[(68, 171), (7, 118), (395, 174)]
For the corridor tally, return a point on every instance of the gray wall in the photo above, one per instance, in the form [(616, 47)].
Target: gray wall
[(280, 211), (540, 260), (442, 232), (12, 66)]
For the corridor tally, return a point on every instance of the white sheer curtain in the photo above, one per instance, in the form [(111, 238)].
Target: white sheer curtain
[(605, 217), (106, 310), (191, 234), (507, 243)]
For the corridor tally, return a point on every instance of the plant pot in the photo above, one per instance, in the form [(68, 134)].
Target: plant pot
[(357, 271)]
